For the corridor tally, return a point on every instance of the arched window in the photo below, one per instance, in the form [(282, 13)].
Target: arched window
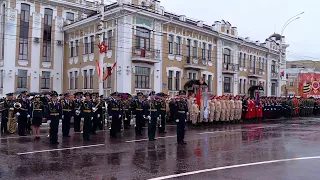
[(226, 56)]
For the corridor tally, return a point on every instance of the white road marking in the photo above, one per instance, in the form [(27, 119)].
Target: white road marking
[(139, 140), (232, 166), (62, 149), (212, 132)]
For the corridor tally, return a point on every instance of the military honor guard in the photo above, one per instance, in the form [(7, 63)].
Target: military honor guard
[(162, 108), (138, 107), (232, 109), (22, 111), (217, 113), (181, 112), (127, 111), (7, 116), (53, 117), (152, 116), (96, 111), (37, 109), (77, 111), (212, 109), (115, 114), (195, 113), (86, 112), (67, 108)]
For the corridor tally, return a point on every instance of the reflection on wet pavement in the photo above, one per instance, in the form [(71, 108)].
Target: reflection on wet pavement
[(129, 157)]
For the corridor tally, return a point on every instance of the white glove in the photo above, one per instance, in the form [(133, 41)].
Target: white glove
[(28, 116), (119, 116), (82, 119), (94, 109), (187, 113), (98, 115), (185, 120), (177, 120), (110, 117), (144, 116), (91, 118), (49, 121), (149, 117), (17, 114), (77, 111), (62, 116)]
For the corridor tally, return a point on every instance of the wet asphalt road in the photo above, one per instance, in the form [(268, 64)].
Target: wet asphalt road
[(215, 149)]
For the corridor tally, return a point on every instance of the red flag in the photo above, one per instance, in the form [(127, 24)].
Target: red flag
[(109, 73), (199, 97), (99, 70)]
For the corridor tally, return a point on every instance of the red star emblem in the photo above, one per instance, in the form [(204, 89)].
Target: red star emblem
[(103, 47)]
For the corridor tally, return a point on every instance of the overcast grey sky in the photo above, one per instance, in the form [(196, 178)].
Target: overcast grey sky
[(258, 19)]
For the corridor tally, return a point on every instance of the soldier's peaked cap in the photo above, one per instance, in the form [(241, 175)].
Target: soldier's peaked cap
[(139, 94), (182, 92)]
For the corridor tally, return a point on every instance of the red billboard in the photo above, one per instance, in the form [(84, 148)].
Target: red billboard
[(309, 85)]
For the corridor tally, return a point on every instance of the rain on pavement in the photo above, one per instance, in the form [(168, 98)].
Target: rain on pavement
[(209, 147)]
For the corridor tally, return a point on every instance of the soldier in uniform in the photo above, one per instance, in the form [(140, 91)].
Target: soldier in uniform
[(53, 117), (223, 110), (218, 109), (7, 106), (23, 113), (115, 114), (244, 108), (67, 108), (138, 112), (37, 109), (152, 116), (86, 112), (232, 109), (95, 112), (162, 112), (228, 108), (102, 113), (77, 111), (126, 103), (212, 109), (181, 111), (195, 113)]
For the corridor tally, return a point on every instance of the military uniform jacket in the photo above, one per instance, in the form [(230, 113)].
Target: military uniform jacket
[(180, 110), (54, 111), (161, 106), (77, 105), (114, 108), (96, 104), (25, 107), (151, 109), (67, 107), (86, 108), (7, 105), (138, 107), (37, 109)]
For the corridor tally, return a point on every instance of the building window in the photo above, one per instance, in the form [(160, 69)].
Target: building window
[(70, 16), (244, 60), (1, 79), (210, 83), (71, 49), (240, 86), (109, 39), (244, 86), (178, 46), (254, 62), (22, 78), (24, 31), (262, 64), (92, 44), (210, 52), (273, 89), (170, 80), (45, 80), (48, 13), (142, 38), (86, 45), (85, 79), (77, 48), (188, 50), (71, 80), (240, 59), (253, 83), (291, 84), (171, 44), (142, 77), (226, 56), (91, 79), (195, 49), (76, 80), (177, 81), (227, 85), (203, 53), (273, 66), (46, 51)]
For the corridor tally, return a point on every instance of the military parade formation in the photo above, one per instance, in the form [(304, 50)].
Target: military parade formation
[(88, 112)]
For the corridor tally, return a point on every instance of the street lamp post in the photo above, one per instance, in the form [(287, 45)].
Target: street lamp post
[(290, 20)]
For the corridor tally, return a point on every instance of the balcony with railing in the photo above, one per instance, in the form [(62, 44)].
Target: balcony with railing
[(255, 72), (230, 68), (274, 75), (195, 63), (145, 55)]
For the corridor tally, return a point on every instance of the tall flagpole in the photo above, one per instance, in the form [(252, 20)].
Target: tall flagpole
[(101, 70)]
